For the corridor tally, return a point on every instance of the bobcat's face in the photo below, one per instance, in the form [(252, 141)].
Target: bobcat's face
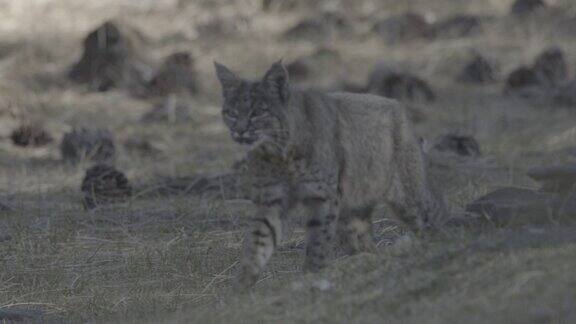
[(248, 115), (253, 111)]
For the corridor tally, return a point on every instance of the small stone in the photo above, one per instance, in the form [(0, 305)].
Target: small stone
[(478, 70), (551, 67), (518, 206), (305, 66), (523, 7), (31, 135), (523, 80), (83, 144), (399, 85), (319, 27), (176, 75), (299, 69), (104, 184)]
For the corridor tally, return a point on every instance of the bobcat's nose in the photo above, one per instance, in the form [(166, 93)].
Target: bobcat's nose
[(244, 137)]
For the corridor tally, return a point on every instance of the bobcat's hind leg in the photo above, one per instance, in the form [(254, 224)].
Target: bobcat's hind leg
[(355, 230), (260, 241), (411, 195)]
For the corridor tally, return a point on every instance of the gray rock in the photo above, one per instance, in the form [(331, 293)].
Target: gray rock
[(518, 206), (84, 144), (523, 7), (111, 59), (556, 179), (547, 73), (478, 70), (31, 135), (318, 27), (402, 86), (305, 67), (523, 81), (102, 185), (176, 75), (551, 67)]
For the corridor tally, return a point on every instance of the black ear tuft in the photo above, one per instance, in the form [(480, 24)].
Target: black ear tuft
[(228, 79), (276, 80)]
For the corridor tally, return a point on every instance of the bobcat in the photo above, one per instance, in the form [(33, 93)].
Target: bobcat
[(336, 154)]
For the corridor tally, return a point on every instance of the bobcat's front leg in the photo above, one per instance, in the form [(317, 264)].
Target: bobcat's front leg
[(322, 208), (262, 237)]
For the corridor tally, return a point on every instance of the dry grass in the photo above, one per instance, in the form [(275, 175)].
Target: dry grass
[(172, 258)]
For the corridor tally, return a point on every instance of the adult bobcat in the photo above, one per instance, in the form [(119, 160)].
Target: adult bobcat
[(338, 154)]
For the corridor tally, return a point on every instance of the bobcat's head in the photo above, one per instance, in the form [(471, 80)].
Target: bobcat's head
[(253, 111)]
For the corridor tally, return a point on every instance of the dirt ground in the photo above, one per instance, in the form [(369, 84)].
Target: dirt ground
[(171, 258)]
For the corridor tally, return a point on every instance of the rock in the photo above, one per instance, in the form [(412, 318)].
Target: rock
[(549, 71), (478, 70), (458, 26), (566, 95), (31, 135), (523, 81), (551, 67), (176, 75), (304, 67), (399, 85), (171, 110), (459, 145), (319, 27), (523, 7), (298, 69), (556, 179), (110, 59), (406, 27), (312, 29), (83, 144), (102, 185), (518, 206)]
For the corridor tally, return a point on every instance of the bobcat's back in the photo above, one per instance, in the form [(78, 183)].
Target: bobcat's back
[(370, 129)]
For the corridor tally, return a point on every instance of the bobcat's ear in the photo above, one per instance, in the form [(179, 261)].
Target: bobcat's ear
[(276, 80), (228, 79)]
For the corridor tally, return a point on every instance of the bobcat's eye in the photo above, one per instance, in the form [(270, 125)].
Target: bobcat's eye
[(233, 114)]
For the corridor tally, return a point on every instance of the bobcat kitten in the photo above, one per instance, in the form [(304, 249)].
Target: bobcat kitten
[(337, 154)]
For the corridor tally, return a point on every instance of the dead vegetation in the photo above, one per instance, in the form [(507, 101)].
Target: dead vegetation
[(166, 251)]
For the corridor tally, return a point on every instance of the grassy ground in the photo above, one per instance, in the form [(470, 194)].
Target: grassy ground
[(171, 259)]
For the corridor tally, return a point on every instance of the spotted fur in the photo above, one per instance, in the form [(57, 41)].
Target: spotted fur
[(337, 154)]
